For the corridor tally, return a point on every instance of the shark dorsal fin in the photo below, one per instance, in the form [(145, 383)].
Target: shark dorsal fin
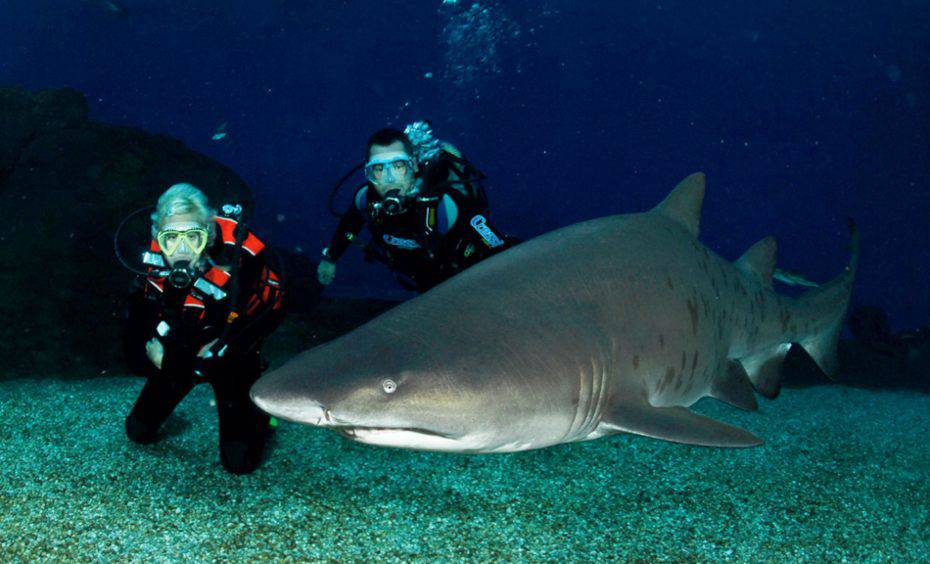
[(759, 260), (683, 205)]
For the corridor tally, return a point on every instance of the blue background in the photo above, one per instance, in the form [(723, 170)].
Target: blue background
[(800, 114)]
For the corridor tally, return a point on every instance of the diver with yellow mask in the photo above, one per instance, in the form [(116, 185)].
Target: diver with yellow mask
[(200, 311)]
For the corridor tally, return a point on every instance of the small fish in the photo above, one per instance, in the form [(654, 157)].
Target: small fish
[(115, 8), (220, 133), (793, 278)]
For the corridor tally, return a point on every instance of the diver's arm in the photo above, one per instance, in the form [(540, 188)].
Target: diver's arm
[(259, 309), (141, 321), (439, 218), (455, 180), (350, 224), (447, 174), (152, 340)]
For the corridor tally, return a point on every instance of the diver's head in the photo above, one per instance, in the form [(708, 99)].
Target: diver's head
[(183, 225), (390, 165)]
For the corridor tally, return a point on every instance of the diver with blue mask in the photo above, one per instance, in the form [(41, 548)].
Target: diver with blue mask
[(392, 174), (424, 206)]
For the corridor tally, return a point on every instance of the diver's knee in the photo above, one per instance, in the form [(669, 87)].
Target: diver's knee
[(241, 457), (140, 432)]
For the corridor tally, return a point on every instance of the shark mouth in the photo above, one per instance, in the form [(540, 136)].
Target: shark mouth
[(420, 439), (351, 432), (313, 413)]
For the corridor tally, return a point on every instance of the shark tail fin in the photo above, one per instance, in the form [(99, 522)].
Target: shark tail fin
[(830, 302)]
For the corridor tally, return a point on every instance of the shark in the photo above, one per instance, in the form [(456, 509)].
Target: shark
[(612, 325)]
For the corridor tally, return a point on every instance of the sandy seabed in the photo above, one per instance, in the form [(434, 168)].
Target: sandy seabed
[(842, 475)]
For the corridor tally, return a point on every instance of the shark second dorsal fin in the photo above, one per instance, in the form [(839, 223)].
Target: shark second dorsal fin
[(683, 205), (759, 261)]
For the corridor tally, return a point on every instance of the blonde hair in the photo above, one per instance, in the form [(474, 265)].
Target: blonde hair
[(181, 199)]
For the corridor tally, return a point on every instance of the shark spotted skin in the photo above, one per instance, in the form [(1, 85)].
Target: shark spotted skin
[(612, 325)]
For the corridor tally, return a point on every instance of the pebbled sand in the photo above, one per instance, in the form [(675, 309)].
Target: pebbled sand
[(842, 475)]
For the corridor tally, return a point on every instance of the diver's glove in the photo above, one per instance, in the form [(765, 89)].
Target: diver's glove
[(155, 351), (205, 357), (326, 272), (206, 351)]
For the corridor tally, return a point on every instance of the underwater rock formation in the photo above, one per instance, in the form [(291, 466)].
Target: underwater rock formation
[(66, 182)]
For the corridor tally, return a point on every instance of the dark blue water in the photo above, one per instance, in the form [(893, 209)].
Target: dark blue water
[(802, 115)]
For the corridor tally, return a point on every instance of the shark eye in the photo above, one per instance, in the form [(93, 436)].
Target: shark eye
[(389, 385)]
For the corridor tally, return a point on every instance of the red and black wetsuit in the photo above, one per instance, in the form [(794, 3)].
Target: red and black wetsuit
[(184, 320), (442, 231)]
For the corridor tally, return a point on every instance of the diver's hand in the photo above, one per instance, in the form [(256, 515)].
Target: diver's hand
[(204, 349), (155, 351), (326, 272)]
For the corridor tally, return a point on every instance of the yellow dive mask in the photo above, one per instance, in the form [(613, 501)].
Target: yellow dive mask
[(194, 237)]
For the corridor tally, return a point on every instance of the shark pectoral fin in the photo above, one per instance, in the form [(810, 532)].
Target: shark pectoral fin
[(734, 388), (676, 424)]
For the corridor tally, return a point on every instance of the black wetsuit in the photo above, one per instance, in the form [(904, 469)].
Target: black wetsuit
[(194, 317), (442, 230)]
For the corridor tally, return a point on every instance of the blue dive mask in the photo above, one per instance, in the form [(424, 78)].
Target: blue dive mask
[(389, 168)]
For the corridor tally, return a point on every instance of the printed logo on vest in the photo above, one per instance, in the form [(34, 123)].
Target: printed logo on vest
[(409, 244), (479, 223)]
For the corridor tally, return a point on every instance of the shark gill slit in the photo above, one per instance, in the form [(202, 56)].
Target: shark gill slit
[(584, 397), (588, 411), (597, 388), (600, 398)]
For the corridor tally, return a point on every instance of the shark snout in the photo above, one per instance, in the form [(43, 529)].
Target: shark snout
[(289, 406)]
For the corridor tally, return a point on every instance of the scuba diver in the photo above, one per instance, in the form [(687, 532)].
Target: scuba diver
[(424, 206), (199, 313)]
